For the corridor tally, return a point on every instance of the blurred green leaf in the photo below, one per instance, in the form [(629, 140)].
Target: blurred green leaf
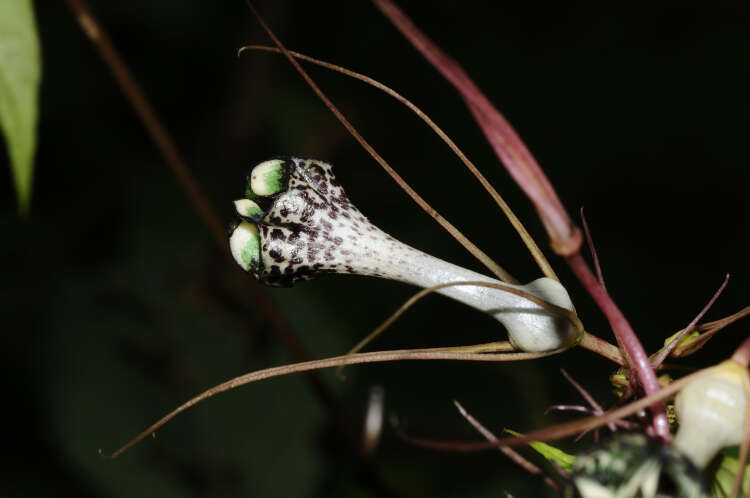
[(20, 71), (725, 475), (565, 460)]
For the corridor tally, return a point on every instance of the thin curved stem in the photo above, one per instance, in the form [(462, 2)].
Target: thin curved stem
[(377, 356)]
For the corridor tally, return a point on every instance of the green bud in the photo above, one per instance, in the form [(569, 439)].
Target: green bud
[(245, 246), (248, 210), (267, 178)]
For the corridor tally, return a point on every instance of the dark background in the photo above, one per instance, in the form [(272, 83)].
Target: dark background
[(117, 306)]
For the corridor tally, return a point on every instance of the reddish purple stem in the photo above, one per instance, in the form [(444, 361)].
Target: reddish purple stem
[(636, 355)]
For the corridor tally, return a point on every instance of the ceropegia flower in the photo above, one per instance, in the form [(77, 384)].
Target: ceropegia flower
[(298, 223)]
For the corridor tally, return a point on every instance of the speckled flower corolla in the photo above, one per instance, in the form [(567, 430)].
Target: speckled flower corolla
[(297, 223)]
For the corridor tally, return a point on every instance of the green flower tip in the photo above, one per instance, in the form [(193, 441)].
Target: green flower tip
[(245, 246), (267, 178), (248, 210)]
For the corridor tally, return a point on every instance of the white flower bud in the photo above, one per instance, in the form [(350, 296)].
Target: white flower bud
[(711, 412)]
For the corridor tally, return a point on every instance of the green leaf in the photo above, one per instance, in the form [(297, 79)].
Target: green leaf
[(20, 72), (726, 472), (565, 460)]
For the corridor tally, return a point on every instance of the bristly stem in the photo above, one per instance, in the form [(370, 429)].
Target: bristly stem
[(637, 358)]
